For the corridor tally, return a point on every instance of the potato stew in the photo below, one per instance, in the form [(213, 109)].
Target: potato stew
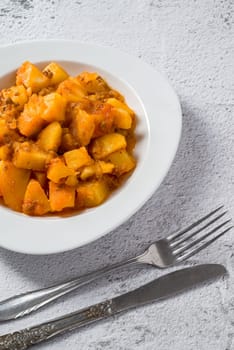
[(65, 142)]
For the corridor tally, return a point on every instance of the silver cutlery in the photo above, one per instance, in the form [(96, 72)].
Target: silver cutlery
[(161, 288), (163, 253)]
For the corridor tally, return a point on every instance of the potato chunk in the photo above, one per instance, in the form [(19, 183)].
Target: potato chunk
[(102, 146), (71, 89), (31, 77), (77, 158), (119, 104), (104, 121), (54, 107), (122, 161), (82, 127), (57, 170), (90, 171), (122, 119), (72, 181), (61, 196), (91, 194), (29, 156), (30, 121), (13, 184), (97, 169), (93, 83), (35, 200), (39, 111), (55, 73), (106, 167), (123, 115), (50, 137)]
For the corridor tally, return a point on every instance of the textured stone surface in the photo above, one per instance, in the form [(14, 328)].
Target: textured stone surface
[(192, 42)]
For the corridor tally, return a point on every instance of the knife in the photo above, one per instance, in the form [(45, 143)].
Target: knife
[(160, 288)]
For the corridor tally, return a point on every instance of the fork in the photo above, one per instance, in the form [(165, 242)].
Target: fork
[(163, 253)]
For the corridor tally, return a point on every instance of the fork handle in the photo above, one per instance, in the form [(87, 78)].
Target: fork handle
[(24, 304)]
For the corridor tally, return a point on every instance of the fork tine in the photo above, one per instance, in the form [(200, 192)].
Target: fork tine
[(201, 247), (183, 239), (193, 243), (176, 235)]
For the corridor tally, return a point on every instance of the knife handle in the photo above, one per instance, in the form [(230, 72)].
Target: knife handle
[(25, 338)]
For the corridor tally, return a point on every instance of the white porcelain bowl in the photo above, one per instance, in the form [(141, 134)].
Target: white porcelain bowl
[(158, 132)]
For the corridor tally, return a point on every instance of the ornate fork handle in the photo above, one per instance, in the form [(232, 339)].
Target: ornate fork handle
[(24, 339)]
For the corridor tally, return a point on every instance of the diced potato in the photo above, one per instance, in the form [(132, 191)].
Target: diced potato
[(106, 167), (40, 177), (104, 121), (55, 73), (91, 194), (50, 137), (71, 89), (30, 121), (116, 94), (5, 152), (122, 119), (118, 104), (72, 181), (54, 107), (31, 77), (61, 196), (57, 170), (29, 156), (90, 171), (122, 161), (87, 77), (93, 83), (35, 200), (13, 184), (30, 125), (102, 146), (77, 158), (82, 127), (97, 169)]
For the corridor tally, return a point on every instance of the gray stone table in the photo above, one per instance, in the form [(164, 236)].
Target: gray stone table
[(192, 42)]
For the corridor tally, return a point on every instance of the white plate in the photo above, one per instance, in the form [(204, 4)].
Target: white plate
[(158, 133)]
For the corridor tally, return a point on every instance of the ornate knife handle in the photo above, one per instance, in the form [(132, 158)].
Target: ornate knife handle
[(27, 337)]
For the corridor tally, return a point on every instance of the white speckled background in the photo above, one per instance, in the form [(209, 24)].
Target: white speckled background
[(192, 41)]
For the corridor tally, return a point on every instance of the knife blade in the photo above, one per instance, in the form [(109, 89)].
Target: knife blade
[(160, 288), (169, 285)]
